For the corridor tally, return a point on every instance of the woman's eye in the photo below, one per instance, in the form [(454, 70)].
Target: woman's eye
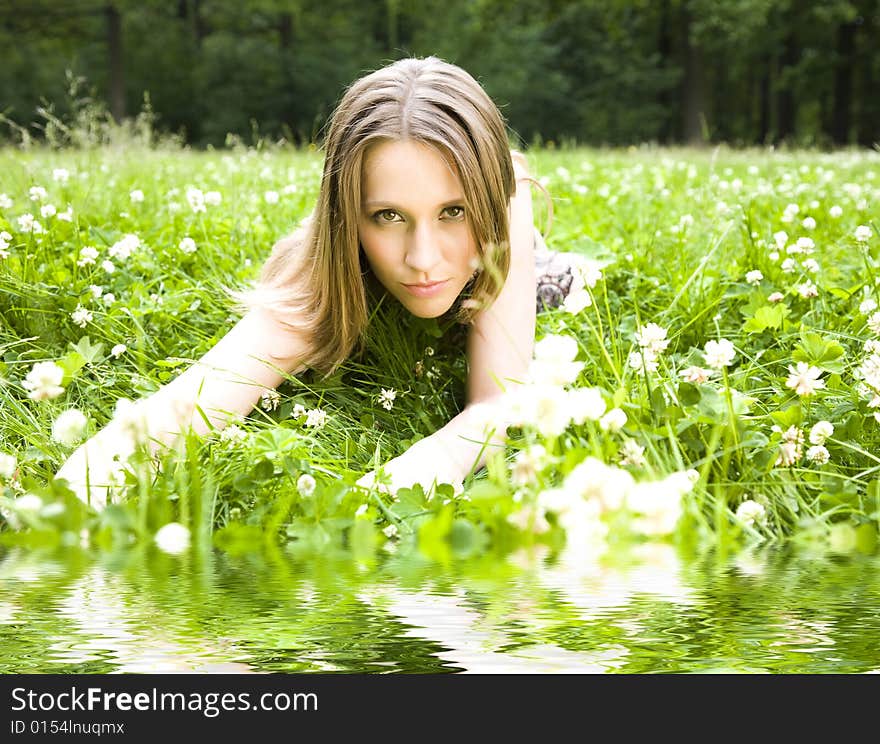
[(386, 215), (455, 212)]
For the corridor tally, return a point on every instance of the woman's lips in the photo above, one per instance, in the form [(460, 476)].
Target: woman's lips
[(428, 289)]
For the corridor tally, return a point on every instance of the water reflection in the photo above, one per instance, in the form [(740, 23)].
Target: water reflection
[(640, 608)]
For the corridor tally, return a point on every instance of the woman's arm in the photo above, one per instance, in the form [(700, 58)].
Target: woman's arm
[(227, 381), (499, 350)]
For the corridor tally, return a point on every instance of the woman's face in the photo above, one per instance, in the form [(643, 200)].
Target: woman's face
[(413, 226)]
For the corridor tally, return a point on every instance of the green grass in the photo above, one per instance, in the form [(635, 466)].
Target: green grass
[(624, 209)]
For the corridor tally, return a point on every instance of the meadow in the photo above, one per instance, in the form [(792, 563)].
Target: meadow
[(715, 378)]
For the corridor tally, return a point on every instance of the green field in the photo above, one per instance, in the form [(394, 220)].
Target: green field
[(767, 257)]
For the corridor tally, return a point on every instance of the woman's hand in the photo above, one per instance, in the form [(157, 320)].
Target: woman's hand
[(425, 463)]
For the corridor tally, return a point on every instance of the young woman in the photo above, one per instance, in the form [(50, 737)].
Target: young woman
[(420, 196)]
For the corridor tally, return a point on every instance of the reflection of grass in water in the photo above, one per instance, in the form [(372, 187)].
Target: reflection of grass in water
[(780, 612)]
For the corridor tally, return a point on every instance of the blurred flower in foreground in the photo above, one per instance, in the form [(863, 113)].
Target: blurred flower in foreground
[(172, 538), (69, 427), (43, 382)]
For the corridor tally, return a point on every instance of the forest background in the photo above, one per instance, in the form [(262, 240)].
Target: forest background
[(585, 72)]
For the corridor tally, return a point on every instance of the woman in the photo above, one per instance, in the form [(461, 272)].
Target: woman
[(419, 194)]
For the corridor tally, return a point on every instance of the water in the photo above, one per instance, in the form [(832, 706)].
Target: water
[(647, 608)]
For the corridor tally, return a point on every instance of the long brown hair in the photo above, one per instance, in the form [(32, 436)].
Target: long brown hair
[(313, 280)]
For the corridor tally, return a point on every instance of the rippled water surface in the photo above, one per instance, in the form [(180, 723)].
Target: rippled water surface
[(647, 608)]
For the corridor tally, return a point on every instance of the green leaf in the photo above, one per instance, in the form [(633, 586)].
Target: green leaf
[(90, 352), (767, 316), (819, 352)]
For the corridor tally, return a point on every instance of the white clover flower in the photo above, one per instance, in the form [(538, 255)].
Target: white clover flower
[(271, 197), (773, 255), (696, 375), (775, 297), (5, 201), (386, 398), (872, 346), (299, 410), (863, 233), (118, 350), (44, 381), (874, 322), (591, 479), (29, 502), (804, 379), (527, 464), (614, 420), (172, 538), (805, 245), (818, 454), (632, 453), (781, 239), (585, 404), (37, 193), (807, 290), (643, 360), (136, 196), (820, 431), (213, 198), (576, 301), (530, 517), (233, 434), (81, 316), (196, 200), (96, 291), (187, 245), (269, 400), (108, 299), (87, 255), (750, 511), (123, 248), (835, 211), (658, 503), (719, 353), (306, 484), (66, 215), (811, 265), (653, 337), (390, 531), (48, 210), (554, 361), (69, 427), (789, 265), (27, 223), (754, 277), (291, 188), (8, 464), (60, 175), (545, 407), (108, 266), (789, 454), (868, 306), (316, 418), (809, 223)]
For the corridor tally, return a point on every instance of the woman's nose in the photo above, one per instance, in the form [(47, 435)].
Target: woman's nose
[(423, 251)]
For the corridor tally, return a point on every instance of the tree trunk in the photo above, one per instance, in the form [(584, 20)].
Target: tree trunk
[(200, 28), (664, 49), (694, 85), (392, 18), (868, 117), (843, 74), (764, 103), (117, 71), (785, 103), (285, 30)]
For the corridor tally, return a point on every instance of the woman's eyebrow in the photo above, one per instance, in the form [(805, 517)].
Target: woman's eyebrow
[(390, 204)]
